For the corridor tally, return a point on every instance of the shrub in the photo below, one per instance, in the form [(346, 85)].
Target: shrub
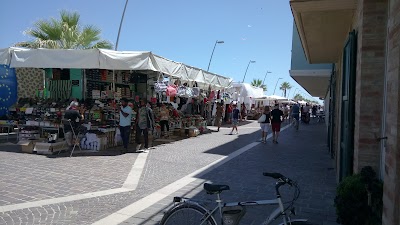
[(351, 200)]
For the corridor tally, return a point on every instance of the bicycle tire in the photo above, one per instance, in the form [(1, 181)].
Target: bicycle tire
[(191, 215)]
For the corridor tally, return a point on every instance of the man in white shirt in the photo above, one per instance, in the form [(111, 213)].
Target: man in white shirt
[(125, 118)]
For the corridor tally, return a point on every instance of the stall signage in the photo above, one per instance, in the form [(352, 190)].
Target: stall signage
[(96, 94), (75, 82)]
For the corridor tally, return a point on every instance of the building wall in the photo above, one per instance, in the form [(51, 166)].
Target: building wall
[(391, 195), (299, 61), (371, 46)]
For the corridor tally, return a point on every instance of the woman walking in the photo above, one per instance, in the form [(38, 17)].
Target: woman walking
[(265, 124)]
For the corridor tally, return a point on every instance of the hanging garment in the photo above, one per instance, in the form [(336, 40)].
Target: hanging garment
[(60, 89)]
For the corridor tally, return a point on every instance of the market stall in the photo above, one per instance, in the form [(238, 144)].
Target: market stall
[(98, 78)]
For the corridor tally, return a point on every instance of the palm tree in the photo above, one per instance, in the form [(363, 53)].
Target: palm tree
[(298, 97), (64, 33), (258, 83), (284, 87)]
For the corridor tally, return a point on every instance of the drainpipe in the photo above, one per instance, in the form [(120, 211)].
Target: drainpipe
[(383, 137)]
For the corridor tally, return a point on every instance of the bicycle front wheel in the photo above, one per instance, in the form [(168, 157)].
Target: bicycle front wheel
[(187, 214)]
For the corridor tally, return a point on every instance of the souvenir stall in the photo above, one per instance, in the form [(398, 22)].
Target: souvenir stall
[(98, 78)]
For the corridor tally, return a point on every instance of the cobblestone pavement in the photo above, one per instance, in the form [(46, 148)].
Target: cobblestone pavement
[(301, 155), (31, 177), (45, 177), (165, 164)]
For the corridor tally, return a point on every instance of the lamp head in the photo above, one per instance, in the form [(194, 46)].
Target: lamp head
[(220, 42)]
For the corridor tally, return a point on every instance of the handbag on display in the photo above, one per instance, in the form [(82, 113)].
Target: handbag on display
[(181, 91), (196, 91), (171, 90), (160, 86), (189, 92)]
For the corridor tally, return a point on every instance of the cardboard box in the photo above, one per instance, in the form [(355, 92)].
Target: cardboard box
[(26, 146), (193, 132), (50, 148)]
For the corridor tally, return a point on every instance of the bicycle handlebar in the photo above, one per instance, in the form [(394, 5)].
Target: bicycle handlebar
[(279, 176)]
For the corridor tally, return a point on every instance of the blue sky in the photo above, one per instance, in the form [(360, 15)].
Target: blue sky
[(181, 30)]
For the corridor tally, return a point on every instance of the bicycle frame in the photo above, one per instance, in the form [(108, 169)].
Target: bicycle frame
[(279, 211)]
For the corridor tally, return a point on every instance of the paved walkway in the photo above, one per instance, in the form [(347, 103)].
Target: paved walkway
[(301, 155), (137, 188)]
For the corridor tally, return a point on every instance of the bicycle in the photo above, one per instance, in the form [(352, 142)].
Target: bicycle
[(186, 211)]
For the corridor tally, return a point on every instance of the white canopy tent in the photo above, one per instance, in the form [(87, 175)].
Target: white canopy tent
[(302, 102), (288, 102), (276, 97), (246, 93), (54, 58), (111, 60), (127, 60)]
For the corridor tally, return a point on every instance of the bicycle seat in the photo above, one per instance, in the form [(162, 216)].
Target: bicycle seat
[(215, 189)]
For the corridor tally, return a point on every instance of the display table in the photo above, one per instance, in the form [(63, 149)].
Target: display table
[(9, 124)]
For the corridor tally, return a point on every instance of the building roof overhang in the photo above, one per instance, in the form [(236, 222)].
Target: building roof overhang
[(316, 82), (323, 26)]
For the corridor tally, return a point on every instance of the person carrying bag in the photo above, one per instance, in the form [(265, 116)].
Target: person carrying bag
[(265, 120)]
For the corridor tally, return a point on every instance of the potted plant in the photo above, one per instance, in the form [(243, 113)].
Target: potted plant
[(358, 199)]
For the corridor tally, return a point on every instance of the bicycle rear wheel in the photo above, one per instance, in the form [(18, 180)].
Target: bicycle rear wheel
[(187, 214)]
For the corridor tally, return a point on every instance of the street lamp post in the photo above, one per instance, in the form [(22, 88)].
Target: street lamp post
[(216, 42), (251, 61), (276, 84), (266, 76), (116, 48), (120, 25)]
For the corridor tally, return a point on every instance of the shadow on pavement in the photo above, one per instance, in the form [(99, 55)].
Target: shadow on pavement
[(300, 155)]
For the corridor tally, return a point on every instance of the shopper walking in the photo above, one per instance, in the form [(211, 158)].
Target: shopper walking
[(144, 123), (73, 122), (235, 118), (265, 124), (229, 113), (164, 120), (218, 115), (243, 111), (125, 123), (295, 114), (276, 120)]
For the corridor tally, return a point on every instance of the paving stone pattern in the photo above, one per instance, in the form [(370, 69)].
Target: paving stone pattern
[(166, 164), (301, 155), (30, 177)]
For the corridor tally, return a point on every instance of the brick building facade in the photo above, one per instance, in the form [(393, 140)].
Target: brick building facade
[(361, 38)]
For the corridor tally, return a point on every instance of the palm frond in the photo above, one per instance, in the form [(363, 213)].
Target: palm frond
[(103, 44), (65, 33), (89, 35), (70, 18)]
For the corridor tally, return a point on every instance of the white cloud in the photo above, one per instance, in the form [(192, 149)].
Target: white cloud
[(249, 26)]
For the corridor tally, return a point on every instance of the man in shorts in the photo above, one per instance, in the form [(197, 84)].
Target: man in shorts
[(276, 120), (235, 118), (295, 112)]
